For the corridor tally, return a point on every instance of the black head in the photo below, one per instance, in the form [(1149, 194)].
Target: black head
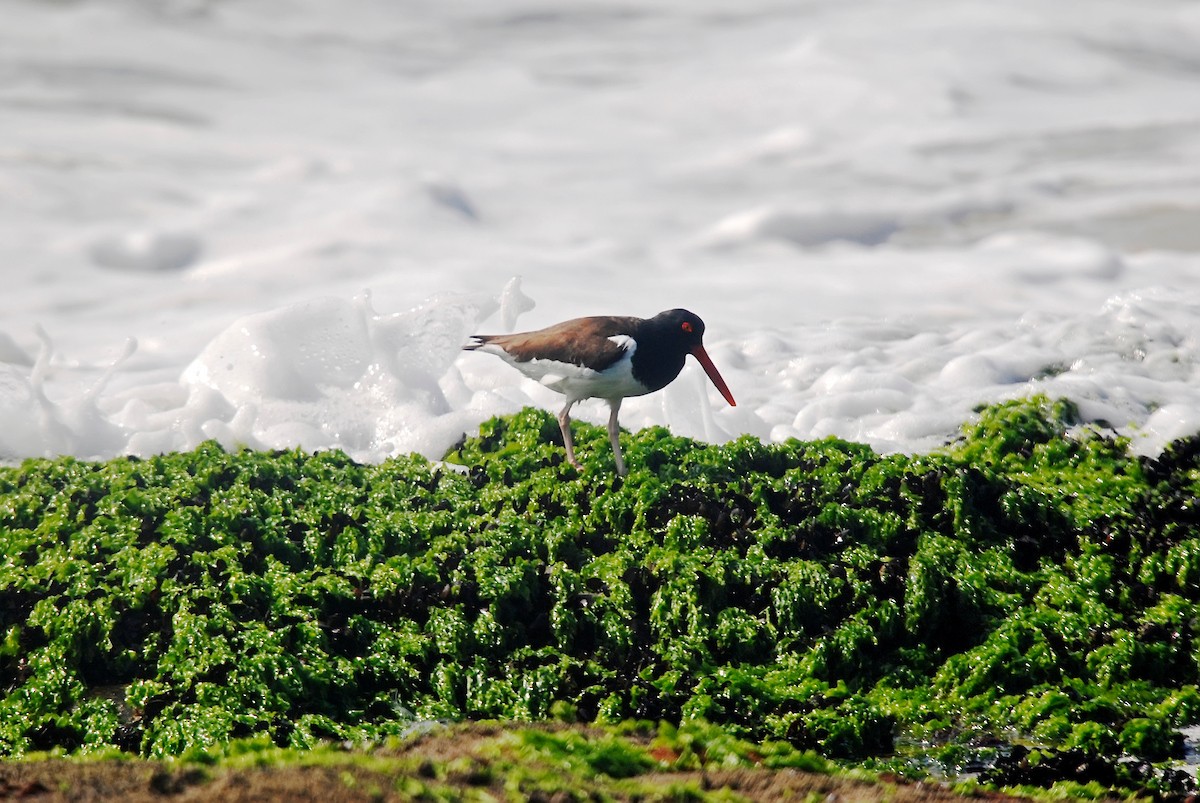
[(679, 327), (676, 333)]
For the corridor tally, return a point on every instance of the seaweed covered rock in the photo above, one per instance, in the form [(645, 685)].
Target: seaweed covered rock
[(1033, 579)]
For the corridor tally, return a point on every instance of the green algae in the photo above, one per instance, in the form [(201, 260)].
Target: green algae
[(488, 761), (1033, 582)]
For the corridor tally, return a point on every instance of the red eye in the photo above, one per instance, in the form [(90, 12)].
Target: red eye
[(686, 326)]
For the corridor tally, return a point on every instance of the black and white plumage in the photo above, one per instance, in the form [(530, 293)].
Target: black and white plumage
[(605, 357)]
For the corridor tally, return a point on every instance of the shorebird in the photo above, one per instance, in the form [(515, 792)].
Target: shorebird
[(605, 357)]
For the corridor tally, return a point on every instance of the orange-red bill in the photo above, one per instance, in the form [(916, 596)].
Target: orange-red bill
[(700, 354)]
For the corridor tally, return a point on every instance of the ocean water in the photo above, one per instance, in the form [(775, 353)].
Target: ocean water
[(275, 223)]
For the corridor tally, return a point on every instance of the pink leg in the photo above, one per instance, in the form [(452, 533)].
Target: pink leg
[(564, 423), (614, 432)]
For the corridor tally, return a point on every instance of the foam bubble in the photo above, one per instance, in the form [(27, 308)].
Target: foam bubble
[(146, 250), (802, 229), (1042, 257)]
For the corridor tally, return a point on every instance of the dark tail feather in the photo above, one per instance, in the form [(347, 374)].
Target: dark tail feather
[(476, 341)]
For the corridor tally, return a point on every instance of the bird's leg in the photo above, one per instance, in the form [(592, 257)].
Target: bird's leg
[(614, 433), (564, 423)]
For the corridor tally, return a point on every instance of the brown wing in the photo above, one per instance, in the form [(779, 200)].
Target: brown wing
[(581, 341)]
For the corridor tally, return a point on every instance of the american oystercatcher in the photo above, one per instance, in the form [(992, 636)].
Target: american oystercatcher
[(605, 357)]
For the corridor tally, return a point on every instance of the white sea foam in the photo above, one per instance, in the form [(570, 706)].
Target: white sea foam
[(274, 224)]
